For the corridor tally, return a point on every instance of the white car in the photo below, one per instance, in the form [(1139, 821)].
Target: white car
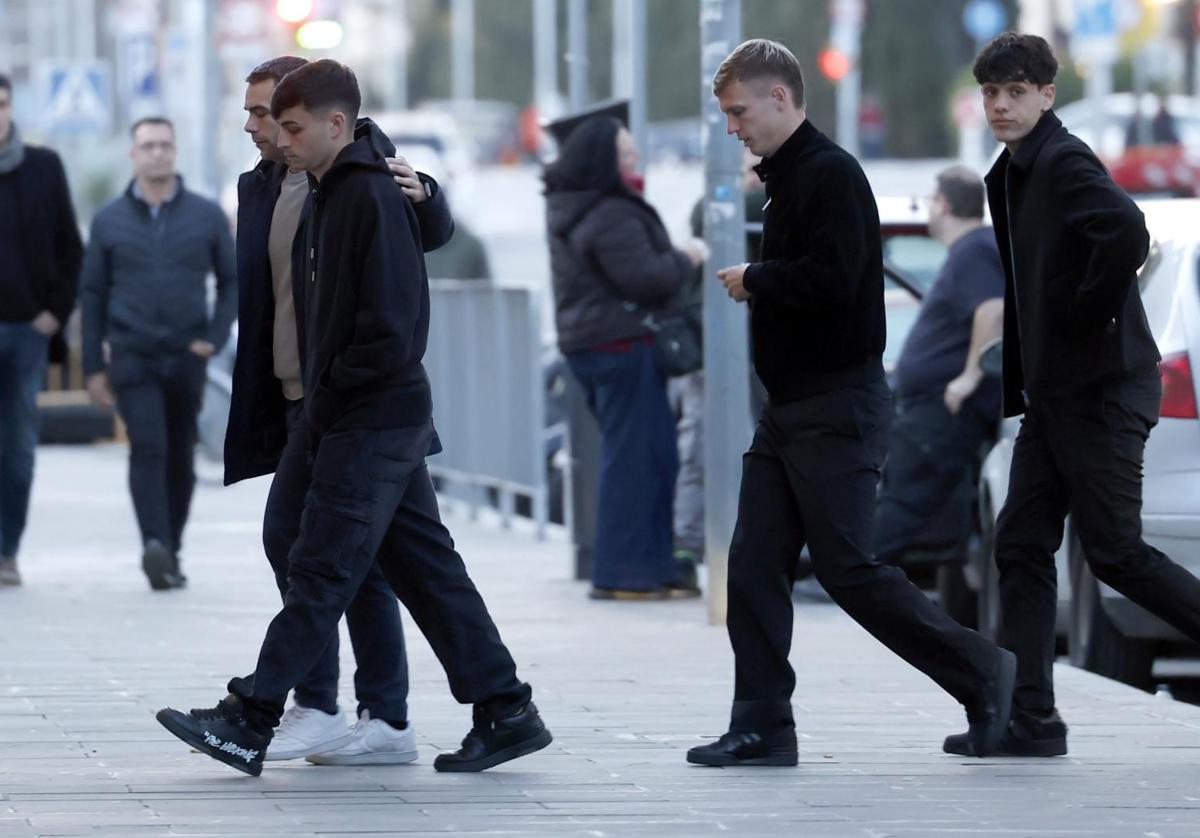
[(1103, 631)]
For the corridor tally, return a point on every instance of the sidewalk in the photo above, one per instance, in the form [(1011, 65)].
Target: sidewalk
[(90, 653)]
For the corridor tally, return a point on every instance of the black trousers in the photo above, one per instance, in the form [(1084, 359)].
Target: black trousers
[(1082, 453), (159, 397), (368, 485), (373, 616), (930, 450), (810, 477)]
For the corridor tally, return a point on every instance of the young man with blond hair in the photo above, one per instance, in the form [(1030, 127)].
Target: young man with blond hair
[(817, 326)]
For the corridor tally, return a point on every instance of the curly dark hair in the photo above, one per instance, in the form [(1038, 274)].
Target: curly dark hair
[(1012, 57)]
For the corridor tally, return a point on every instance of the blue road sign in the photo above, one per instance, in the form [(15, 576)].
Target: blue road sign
[(984, 19), (78, 98)]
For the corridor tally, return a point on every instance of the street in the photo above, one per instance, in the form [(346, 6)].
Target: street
[(90, 653)]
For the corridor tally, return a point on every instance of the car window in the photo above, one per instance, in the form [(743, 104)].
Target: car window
[(917, 257)]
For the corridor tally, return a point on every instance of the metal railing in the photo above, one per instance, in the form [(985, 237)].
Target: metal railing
[(484, 361)]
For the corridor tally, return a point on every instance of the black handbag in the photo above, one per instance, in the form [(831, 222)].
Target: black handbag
[(678, 339)]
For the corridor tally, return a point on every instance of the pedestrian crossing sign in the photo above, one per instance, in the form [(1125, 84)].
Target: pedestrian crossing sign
[(78, 98)]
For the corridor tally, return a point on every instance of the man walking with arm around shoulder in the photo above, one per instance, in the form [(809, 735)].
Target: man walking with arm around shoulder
[(816, 309), (1080, 364), (368, 406), (143, 293), (267, 433)]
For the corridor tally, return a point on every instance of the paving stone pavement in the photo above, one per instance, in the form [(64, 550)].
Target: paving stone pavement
[(90, 653)]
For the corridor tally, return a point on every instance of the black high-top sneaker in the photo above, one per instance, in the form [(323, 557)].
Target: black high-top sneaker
[(222, 732), (493, 741)]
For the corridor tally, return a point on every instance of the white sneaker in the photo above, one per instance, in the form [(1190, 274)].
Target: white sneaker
[(372, 742), (306, 730)]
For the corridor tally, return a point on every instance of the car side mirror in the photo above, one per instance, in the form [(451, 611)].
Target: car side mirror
[(991, 358)]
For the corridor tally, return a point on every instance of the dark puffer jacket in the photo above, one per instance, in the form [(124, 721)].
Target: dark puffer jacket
[(609, 253)]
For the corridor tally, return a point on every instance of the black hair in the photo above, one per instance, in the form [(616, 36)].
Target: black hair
[(318, 86), (275, 69), (1011, 57), (588, 159), (5, 83)]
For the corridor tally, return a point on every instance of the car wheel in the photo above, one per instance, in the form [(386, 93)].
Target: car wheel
[(1095, 643), (988, 596)]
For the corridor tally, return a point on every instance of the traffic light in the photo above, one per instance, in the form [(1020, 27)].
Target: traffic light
[(833, 64), (294, 12), (313, 23)]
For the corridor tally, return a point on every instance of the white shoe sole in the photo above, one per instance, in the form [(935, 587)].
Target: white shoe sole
[(373, 758), (274, 755)]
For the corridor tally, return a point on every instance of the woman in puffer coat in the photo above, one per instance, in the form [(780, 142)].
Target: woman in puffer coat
[(612, 262)]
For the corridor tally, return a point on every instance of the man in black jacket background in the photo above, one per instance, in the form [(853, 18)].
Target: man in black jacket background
[(817, 328), (40, 244), (148, 333), (267, 433), (1080, 364), (368, 406)]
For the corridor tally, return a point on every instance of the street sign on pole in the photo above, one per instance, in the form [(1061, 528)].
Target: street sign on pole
[(78, 97), (1094, 36), (984, 19)]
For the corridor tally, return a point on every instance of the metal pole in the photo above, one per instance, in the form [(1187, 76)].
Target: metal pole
[(462, 14), (545, 57), (629, 65), (577, 54), (726, 361)]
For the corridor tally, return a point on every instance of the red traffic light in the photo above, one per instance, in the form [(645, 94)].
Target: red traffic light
[(833, 63)]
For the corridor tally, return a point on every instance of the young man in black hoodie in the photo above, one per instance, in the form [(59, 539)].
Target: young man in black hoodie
[(267, 433), (816, 322), (1080, 364), (368, 405)]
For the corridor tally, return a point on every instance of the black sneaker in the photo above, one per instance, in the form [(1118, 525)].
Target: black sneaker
[(1027, 736), (747, 749), (176, 578), (159, 565), (493, 741), (222, 732), (988, 721)]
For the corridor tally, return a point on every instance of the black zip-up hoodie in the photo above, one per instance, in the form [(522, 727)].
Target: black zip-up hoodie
[(366, 299), (816, 312)]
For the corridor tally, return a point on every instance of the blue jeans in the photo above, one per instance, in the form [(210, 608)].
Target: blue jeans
[(22, 371), (638, 464)]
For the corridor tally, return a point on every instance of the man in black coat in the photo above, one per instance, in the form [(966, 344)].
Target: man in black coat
[(817, 327), (267, 433), (41, 250), (1080, 364), (368, 407)]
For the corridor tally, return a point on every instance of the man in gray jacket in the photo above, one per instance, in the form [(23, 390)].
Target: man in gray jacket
[(147, 332)]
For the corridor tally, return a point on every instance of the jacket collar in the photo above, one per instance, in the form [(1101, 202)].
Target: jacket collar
[(135, 192), (792, 148), (1028, 151)]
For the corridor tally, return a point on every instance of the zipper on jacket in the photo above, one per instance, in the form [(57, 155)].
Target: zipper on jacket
[(1012, 260), (312, 251)]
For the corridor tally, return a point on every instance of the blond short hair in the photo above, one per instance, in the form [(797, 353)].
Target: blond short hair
[(761, 58)]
